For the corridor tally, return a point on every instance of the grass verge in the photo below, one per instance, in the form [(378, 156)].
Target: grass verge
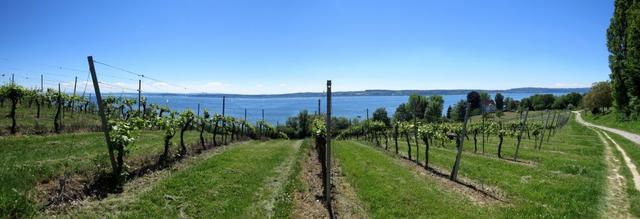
[(633, 151), (613, 120)]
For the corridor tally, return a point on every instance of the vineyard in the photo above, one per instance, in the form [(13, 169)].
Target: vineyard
[(54, 154), (93, 155)]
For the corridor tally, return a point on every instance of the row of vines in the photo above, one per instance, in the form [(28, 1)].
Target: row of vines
[(62, 103), (414, 133), (125, 122)]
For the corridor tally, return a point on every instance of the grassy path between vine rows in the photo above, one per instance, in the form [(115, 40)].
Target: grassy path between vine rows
[(390, 189), (567, 178), (244, 181), (27, 161)]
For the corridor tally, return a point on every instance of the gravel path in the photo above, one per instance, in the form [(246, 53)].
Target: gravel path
[(616, 201), (628, 135)]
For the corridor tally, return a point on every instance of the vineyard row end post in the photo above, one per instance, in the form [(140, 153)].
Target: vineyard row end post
[(327, 151), (101, 110), (522, 127), (460, 144), (140, 97)]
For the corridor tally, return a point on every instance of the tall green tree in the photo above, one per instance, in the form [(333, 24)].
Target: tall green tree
[(542, 101), (459, 111), (599, 98), (416, 106), (499, 101), (435, 105), (632, 59), (381, 115), (401, 113), (617, 45)]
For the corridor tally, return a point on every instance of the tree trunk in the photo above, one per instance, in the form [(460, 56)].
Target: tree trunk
[(406, 134), (38, 106), (483, 129), (415, 133), (460, 144), (215, 132), (182, 130), (386, 141), (500, 146), (426, 151), (56, 121), (522, 126), (395, 137), (202, 137), (167, 144), (224, 133), (120, 162), (14, 126)]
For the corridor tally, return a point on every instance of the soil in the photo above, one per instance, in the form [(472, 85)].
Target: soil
[(345, 202), (308, 201)]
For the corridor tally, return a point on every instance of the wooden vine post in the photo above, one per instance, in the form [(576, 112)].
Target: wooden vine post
[(224, 123), (522, 127), (327, 152), (460, 144), (483, 127), (140, 97), (555, 127), (415, 133), (56, 121), (73, 101), (103, 117), (395, 136), (546, 125), (245, 121)]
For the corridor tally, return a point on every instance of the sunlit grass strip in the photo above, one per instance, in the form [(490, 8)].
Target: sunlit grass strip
[(567, 178)]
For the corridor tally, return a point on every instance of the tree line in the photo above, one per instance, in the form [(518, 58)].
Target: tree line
[(623, 43)]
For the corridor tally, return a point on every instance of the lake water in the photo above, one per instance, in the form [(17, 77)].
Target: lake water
[(277, 110)]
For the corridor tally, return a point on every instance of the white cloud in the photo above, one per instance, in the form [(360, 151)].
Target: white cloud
[(215, 84), (568, 85)]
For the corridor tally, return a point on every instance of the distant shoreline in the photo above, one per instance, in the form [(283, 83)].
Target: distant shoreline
[(382, 92)]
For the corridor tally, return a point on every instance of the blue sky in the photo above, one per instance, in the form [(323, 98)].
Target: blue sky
[(283, 46)]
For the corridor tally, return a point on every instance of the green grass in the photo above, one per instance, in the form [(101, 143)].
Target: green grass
[(633, 151), (226, 185), (391, 190), (29, 124), (612, 119), (284, 204), (28, 160), (568, 179)]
